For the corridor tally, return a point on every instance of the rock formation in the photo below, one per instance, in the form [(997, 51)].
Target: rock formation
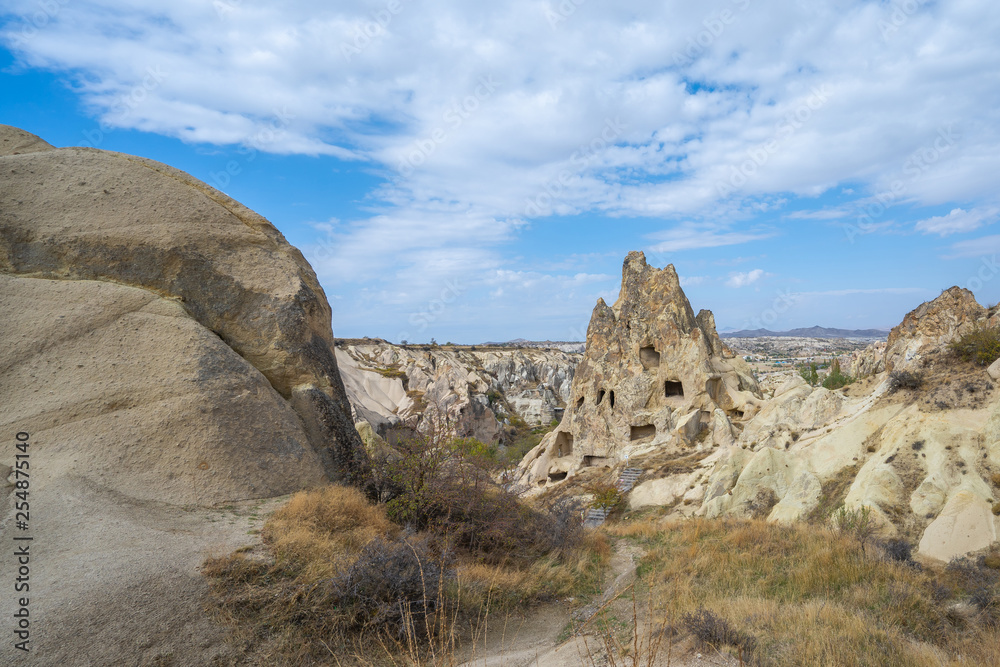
[(924, 461), (467, 390), (84, 214), (654, 376), (169, 356), (931, 326)]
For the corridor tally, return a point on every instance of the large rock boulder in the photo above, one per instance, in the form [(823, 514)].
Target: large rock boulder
[(653, 376), (85, 214), (169, 358)]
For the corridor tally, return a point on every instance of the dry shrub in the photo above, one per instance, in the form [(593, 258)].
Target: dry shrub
[(323, 527), (996, 480), (811, 595), (980, 346)]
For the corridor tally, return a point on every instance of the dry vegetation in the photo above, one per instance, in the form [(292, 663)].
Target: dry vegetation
[(802, 595), (336, 582)]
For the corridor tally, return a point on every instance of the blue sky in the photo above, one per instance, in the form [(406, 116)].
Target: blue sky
[(475, 172)]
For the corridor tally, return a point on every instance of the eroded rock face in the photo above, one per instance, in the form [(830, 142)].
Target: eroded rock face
[(653, 375), (932, 325), (925, 472), (123, 388), (456, 388), (85, 214)]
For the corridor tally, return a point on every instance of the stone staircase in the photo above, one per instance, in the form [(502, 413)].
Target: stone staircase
[(595, 517)]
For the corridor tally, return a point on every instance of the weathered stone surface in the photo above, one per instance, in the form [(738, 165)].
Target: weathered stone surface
[(966, 524), (653, 376), (126, 390), (457, 389), (85, 214), (932, 325)]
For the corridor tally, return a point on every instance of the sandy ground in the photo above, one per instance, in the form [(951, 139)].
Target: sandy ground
[(114, 581)]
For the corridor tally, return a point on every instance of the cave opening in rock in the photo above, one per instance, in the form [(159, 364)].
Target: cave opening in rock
[(579, 403), (611, 399), (642, 432), (649, 357), (564, 444), (600, 397), (714, 388), (557, 476), (596, 461), (673, 388)]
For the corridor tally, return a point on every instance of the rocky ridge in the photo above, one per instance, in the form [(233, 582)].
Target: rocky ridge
[(472, 392)]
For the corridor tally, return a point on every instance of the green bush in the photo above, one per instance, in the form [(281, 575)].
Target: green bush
[(835, 379), (809, 374), (980, 346)]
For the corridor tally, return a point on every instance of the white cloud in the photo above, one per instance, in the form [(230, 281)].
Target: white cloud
[(986, 245), (743, 279), (692, 236), (692, 281), (957, 221)]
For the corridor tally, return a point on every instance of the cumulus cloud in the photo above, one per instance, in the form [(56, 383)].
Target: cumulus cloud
[(742, 279), (958, 220)]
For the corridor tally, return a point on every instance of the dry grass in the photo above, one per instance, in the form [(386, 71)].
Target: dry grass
[(336, 583), (811, 596)]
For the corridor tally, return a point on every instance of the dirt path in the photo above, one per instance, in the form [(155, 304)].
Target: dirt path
[(540, 639)]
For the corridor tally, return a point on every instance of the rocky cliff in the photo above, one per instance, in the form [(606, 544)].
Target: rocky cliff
[(654, 377), (471, 392)]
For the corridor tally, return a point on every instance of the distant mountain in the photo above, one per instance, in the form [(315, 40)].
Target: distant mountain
[(810, 332)]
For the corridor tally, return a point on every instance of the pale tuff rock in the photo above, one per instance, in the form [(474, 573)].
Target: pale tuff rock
[(458, 390), (132, 394), (653, 376), (85, 214), (924, 473), (870, 361), (171, 357)]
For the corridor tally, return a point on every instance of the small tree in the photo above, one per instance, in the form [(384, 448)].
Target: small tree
[(835, 379), (810, 374)]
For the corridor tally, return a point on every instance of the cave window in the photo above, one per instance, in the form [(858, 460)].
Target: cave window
[(600, 396), (557, 476), (579, 403), (611, 398), (649, 357), (672, 388), (564, 444), (642, 432), (594, 461)]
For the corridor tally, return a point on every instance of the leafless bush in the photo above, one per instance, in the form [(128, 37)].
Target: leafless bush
[(712, 630), (904, 380)]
